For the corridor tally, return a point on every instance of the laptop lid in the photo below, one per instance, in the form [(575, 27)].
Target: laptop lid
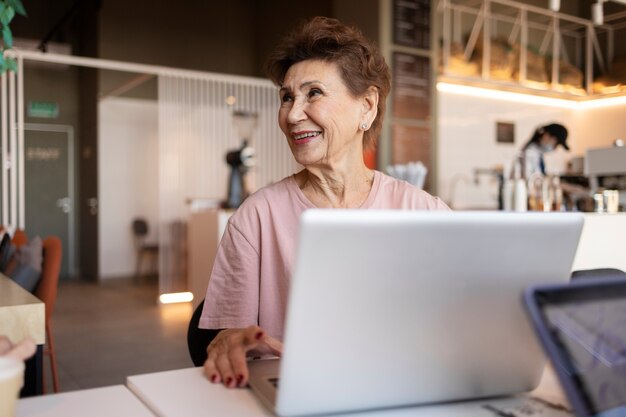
[(391, 308), (582, 328)]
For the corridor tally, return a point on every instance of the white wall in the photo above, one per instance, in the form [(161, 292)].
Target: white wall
[(599, 127), (128, 179), (467, 140)]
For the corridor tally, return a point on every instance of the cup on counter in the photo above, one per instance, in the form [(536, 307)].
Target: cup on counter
[(11, 381), (598, 203), (611, 200)]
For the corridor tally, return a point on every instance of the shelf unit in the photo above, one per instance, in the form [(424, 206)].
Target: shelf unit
[(475, 36)]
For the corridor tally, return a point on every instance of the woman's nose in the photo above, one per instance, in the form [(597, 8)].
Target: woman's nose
[(297, 112)]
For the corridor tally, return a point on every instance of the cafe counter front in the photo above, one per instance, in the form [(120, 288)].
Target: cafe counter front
[(602, 243)]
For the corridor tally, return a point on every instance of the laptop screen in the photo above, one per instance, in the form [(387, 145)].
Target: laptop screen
[(590, 334)]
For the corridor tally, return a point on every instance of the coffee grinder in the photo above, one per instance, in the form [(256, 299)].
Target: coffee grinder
[(240, 160)]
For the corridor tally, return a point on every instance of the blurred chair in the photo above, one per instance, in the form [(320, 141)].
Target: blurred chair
[(19, 238), (47, 292), (198, 339), (143, 249)]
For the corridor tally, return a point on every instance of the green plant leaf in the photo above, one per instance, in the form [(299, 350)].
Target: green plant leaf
[(3, 66), (11, 64), (6, 15), (17, 6), (7, 37)]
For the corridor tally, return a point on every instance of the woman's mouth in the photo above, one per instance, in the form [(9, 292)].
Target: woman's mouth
[(300, 138)]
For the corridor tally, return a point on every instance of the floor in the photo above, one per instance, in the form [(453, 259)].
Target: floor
[(105, 332)]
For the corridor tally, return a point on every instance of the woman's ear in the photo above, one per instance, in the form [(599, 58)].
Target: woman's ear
[(370, 105)]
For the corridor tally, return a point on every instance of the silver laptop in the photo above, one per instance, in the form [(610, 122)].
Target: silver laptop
[(391, 308)]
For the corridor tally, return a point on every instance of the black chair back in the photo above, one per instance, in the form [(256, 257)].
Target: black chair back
[(198, 339)]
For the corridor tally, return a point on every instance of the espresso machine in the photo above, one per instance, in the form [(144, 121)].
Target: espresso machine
[(606, 169), (240, 160)]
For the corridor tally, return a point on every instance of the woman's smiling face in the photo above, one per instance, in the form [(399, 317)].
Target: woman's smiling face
[(318, 114)]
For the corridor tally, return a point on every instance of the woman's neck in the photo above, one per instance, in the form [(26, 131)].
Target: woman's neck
[(336, 187)]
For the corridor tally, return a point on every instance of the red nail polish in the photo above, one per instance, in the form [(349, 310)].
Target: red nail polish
[(228, 381), (259, 335), (214, 378), (239, 379)]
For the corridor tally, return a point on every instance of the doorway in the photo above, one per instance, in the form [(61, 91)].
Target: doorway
[(49, 187)]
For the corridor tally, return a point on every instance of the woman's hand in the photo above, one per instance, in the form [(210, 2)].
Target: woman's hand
[(23, 350), (226, 361)]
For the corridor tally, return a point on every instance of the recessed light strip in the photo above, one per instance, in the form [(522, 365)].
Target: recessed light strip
[(529, 98), (603, 102), (505, 95)]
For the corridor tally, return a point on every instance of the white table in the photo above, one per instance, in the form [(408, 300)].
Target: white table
[(187, 393), (111, 401)]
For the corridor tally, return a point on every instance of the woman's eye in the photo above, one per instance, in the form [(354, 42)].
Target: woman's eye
[(315, 92), (286, 98)]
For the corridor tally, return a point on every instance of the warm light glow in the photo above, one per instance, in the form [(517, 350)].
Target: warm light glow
[(529, 98), (603, 102), (176, 297), (505, 95)]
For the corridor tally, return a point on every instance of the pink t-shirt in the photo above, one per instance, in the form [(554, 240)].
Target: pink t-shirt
[(249, 284)]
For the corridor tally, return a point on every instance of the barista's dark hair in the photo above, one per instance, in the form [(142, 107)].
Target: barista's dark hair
[(360, 63), (558, 131)]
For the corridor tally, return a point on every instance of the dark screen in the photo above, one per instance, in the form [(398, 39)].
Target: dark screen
[(592, 337)]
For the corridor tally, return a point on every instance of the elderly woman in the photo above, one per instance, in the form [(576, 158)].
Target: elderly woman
[(333, 85)]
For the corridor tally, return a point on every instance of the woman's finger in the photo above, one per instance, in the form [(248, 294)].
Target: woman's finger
[(214, 350), (225, 370), (239, 364), (5, 345), (210, 370), (275, 346), (23, 350), (251, 337)]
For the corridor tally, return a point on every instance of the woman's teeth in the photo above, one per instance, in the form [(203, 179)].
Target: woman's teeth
[(305, 135)]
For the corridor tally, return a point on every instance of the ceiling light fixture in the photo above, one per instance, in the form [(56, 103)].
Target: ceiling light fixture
[(597, 13), (555, 5)]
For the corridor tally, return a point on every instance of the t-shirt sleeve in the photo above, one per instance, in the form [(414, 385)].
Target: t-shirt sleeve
[(232, 298), (440, 205)]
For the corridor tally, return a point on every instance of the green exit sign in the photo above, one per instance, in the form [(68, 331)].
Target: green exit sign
[(43, 109)]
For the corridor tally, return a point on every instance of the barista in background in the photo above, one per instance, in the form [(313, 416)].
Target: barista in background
[(545, 139)]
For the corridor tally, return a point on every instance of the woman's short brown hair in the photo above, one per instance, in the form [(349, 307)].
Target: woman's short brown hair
[(359, 61)]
